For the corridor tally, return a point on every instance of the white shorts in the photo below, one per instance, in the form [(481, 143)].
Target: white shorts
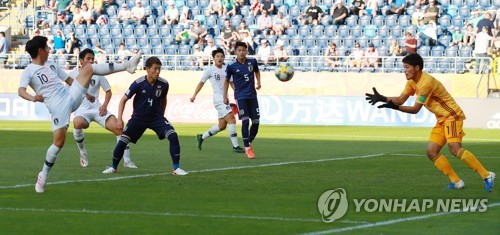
[(62, 112), (93, 115), (223, 110)]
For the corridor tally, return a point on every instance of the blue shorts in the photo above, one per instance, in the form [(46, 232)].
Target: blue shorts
[(248, 108), (135, 128)]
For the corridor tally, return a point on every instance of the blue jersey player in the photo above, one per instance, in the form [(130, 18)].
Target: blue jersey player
[(150, 102), (244, 72)]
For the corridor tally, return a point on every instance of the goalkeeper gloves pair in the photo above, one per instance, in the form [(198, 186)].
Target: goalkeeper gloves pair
[(377, 97)]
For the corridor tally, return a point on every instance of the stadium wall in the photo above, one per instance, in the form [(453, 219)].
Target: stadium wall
[(308, 99)]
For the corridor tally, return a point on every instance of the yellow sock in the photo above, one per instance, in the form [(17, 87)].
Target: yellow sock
[(471, 161), (444, 166)]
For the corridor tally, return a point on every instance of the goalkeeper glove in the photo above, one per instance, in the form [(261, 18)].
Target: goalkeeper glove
[(375, 97), (390, 105)]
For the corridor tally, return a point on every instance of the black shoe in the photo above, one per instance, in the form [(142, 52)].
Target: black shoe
[(199, 141), (238, 149)]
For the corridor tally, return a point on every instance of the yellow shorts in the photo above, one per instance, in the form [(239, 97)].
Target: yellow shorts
[(449, 131)]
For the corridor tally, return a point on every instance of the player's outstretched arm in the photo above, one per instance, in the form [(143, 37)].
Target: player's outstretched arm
[(375, 97), (196, 91), (25, 95)]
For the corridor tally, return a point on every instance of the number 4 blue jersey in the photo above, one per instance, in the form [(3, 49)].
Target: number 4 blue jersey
[(148, 100), (243, 78)]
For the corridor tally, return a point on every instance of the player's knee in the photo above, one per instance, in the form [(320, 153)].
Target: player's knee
[(59, 143), (222, 127), (172, 137), (123, 139), (255, 121)]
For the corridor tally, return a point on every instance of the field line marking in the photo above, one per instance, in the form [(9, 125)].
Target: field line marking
[(389, 222), (85, 211), (196, 171)]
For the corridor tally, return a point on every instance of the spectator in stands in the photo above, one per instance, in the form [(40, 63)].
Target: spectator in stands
[(62, 5), (77, 17), (457, 38), (138, 13), (331, 54), (101, 20), (97, 7), (247, 38), (61, 18), (100, 57), (475, 17), (256, 7), (200, 31), (421, 2), (4, 49), (264, 53), (487, 23), (417, 16), (370, 9), (243, 27), (280, 54), (86, 13), (357, 56), (73, 5), (72, 60), (312, 15), (280, 25), (71, 43), (50, 44), (199, 55), (268, 5), (428, 33), (185, 17), (469, 35), (431, 12), (481, 49), (215, 8), (59, 41), (339, 13), (356, 7), (229, 8), (186, 36), (410, 45), (171, 15), (124, 15), (209, 48), (265, 23), (107, 4), (229, 34), (394, 49), (371, 56), (123, 53), (397, 7)]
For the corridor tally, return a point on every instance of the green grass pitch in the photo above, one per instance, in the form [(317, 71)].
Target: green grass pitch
[(226, 193)]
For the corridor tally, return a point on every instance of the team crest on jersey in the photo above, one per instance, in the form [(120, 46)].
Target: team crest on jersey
[(158, 92), (56, 121), (92, 82), (53, 67), (250, 68)]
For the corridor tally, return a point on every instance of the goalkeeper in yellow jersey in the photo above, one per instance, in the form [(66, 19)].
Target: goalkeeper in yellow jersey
[(431, 93)]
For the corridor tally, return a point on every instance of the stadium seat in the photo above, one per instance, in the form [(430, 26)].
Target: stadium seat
[(326, 20), (322, 41), (211, 21), (458, 21), (383, 31), (444, 40), (377, 41), (203, 3), (152, 30), (396, 31), (140, 30), (410, 29), (363, 41), (464, 11), (343, 31), (285, 39), (444, 20), (171, 50), (302, 3), (177, 29), (318, 31), (116, 40), (167, 40), (309, 41), (235, 21), (130, 40), (185, 50), (158, 50), (370, 31), (470, 3), (80, 30), (349, 41), (296, 41), (115, 30), (292, 31), (465, 51), (104, 30), (404, 20), (145, 50), (424, 51), (382, 51), (379, 20), (294, 11), (94, 40), (365, 20), (341, 50), (105, 41), (128, 30), (151, 20), (391, 20), (302, 50), (331, 30), (314, 51), (337, 40), (451, 51), (352, 20), (244, 10), (271, 39), (250, 20), (496, 3), (191, 3), (319, 64), (143, 40), (304, 30)]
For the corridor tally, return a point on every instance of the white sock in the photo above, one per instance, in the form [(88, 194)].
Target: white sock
[(50, 158), (126, 154), (105, 69), (212, 131), (79, 136), (231, 130)]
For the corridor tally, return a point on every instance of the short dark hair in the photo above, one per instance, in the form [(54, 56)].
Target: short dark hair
[(2, 33), (83, 53), (218, 50), (37, 42), (414, 59), (240, 44), (152, 60)]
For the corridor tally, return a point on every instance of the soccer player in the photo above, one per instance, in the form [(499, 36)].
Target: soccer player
[(433, 95), (217, 75), (244, 71), (150, 102), (92, 110), (45, 78)]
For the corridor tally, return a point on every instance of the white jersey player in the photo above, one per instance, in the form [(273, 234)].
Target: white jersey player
[(45, 78), (92, 110), (217, 74)]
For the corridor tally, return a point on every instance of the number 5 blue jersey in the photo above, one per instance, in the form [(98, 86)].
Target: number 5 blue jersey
[(243, 78), (148, 100)]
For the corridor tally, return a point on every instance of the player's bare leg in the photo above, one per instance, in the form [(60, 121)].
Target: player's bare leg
[(111, 125), (80, 123)]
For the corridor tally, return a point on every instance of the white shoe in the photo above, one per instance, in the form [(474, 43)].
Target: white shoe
[(110, 170), (490, 181), (40, 183), (133, 62), (179, 171), (83, 160), (129, 165)]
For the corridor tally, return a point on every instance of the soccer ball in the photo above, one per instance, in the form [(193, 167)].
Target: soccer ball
[(284, 72)]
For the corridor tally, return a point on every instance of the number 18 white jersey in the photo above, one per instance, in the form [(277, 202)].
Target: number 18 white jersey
[(217, 77)]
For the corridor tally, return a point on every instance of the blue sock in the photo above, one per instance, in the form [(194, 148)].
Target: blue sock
[(244, 132), (118, 153), (175, 149), (254, 129)]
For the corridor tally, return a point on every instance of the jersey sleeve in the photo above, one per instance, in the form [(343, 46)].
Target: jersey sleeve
[(205, 76), (134, 87), (105, 84), (229, 73), (409, 90), (25, 79), (255, 66)]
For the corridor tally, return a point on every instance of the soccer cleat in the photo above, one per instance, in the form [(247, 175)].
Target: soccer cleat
[(459, 185), (110, 170), (133, 62), (41, 182), (130, 165), (489, 181), (238, 149), (250, 153), (179, 171), (199, 140), (83, 160)]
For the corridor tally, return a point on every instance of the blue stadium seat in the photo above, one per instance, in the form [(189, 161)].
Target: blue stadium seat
[(128, 30), (318, 30), (94, 40), (382, 51), (289, 3), (322, 41), (304, 30), (104, 30), (363, 41), (337, 40), (155, 3), (302, 3), (211, 21), (151, 20), (496, 3), (331, 30), (80, 30), (444, 20), (171, 49), (391, 20), (146, 50), (404, 20), (326, 20), (201, 18), (142, 40), (294, 61), (140, 30), (309, 41), (115, 30), (158, 50), (167, 40), (343, 31), (245, 10), (424, 51), (377, 41), (111, 10), (249, 19), (396, 31), (105, 41), (379, 20), (296, 41), (152, 30), (465, 11), (411, 29), (365, 20), (352, 20), (314, 51), (235, 21), (116, 40), (285, 39), (294, 11), (113, 20), (465, 51), (302, 50), (164, 30), (341, 50), (203, 3), (356, 31), (470, 3), (458, 21), (191, 3), (185, 50), (305, 64), (383, 31), (130, 40), (444, 40), (319, 63), (292, 31), (176, 29), (401, 41), (370, 30), (349, 41)]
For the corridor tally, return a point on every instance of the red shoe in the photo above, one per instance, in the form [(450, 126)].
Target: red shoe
[(250, 153)]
